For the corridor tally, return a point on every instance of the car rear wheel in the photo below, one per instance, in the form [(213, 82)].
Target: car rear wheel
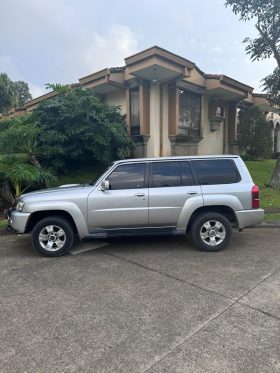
[(53, 236), (211, 232)]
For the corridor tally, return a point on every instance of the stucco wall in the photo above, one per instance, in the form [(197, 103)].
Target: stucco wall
[(117, 98), (212, 142)]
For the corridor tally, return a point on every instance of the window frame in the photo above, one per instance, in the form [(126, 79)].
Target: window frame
[(188, 130), (146, 173), (235, 168), (138, 126), (180, 161)]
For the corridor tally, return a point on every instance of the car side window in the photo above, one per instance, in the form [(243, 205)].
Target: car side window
[(127, 176), (165, 174), (216, 171)]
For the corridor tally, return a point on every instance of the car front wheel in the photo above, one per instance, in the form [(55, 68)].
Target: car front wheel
[(53, 236), (211, 232)]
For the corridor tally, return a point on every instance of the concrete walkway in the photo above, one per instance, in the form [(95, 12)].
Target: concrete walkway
[(142, 305)]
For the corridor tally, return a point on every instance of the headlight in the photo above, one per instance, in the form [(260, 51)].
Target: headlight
[(19, 206)]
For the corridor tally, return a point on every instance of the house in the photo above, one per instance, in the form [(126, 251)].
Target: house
[(171, 106)]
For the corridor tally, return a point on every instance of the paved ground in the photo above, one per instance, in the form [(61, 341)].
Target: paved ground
[(142, 305)]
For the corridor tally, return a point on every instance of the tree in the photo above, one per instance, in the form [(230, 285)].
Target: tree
[(6, 93), (79, 128), (21, 94), (19, 152), (266, 14), (12, 94), (254, 134)]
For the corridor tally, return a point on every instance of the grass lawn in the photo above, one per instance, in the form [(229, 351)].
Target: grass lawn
[(272, 217), (261, 172), (3, 223)]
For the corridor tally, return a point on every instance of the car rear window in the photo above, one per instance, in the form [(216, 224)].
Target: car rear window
[(216, 171)]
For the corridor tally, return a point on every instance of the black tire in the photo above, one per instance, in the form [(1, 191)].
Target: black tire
[(61, 240), (198, 229)]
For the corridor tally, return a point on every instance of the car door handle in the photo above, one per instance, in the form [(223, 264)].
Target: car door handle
[(140, 194), (192, 193)]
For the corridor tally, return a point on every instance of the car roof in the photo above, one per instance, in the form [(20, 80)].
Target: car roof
[(217, 156)]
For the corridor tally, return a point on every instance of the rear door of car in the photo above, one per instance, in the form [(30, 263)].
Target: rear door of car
[(219, 177), (171, 183)]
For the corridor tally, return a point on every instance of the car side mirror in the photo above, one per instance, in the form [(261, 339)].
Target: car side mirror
[(105, 185)]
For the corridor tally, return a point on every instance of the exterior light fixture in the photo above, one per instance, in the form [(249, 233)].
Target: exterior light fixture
[(154, 80)]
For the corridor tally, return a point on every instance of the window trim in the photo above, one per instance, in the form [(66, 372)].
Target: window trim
[(180, 128), (138, 126), (180, 161), (146, 173), (213, 160)]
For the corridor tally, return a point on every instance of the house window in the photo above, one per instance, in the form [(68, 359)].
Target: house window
[(189, 113), (135, 111)]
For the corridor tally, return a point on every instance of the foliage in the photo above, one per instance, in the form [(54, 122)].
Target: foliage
[(79, 128), (254, 134), (6, 93), (267, 16), (59, 88), (21, 136), (261, 173), (267, 44), (12, 94), (21, 94), (23, 175), (271, 85), (19, 165)]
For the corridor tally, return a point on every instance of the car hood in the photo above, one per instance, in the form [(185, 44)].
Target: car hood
[(61, 191)]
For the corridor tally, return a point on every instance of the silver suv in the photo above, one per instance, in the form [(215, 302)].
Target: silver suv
[(206, 195)]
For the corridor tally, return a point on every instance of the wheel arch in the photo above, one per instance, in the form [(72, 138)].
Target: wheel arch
[(35, 217), (226, 211)]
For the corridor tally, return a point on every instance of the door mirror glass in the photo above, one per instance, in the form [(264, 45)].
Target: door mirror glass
[(105, 185)]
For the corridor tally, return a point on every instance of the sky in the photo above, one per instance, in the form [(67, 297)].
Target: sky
[(60, 41)]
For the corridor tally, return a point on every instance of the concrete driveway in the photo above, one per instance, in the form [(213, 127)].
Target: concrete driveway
[(142, 305)]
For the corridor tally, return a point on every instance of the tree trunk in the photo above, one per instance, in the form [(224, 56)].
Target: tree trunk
[(34, 161), (275, 180), (6, 192)]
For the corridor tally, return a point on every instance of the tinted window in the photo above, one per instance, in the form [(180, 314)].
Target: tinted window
[(127, 176), (165, 174), (187, 177), (220, 171)]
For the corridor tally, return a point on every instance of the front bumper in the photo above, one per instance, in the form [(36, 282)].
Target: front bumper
[(249, 218), (17, 220)]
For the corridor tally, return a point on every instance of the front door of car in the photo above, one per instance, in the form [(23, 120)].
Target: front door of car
[(124, 204), (171, 184)]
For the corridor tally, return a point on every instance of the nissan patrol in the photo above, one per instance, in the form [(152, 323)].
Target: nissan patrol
[(205, 195)]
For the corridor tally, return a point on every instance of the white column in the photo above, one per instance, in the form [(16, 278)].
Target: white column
[(153, 148)]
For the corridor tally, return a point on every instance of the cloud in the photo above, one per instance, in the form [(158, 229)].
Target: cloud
[(36, 90), (109, 49), (216, 50), (8, 65)]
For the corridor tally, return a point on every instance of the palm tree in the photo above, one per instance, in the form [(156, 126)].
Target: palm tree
[(19, 164)]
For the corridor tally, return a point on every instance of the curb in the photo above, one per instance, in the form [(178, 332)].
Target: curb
[(269, 224)]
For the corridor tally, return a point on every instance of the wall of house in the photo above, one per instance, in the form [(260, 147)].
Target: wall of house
[(196, 78), (213, 141), (117, 98)]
